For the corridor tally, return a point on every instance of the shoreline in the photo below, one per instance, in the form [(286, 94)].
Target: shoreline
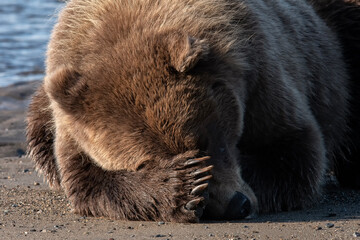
[(14, 100)]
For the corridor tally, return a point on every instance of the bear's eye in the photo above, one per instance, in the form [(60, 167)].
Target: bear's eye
[(217, 85)]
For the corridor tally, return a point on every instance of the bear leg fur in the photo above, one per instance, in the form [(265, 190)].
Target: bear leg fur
[(175, 191), (343, 16), (287, 173), (40, 137)]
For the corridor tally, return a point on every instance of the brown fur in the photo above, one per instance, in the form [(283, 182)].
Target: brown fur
[(134, 89), (40, 136)]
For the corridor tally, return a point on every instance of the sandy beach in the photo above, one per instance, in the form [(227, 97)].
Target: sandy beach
[(30, 210)]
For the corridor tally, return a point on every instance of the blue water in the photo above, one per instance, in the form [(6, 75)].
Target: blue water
[(25, 27)]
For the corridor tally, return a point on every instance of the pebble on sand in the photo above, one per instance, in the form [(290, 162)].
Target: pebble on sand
[(159, 235), (329, 225)]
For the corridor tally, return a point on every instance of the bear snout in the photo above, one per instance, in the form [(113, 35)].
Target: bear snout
[(239, 207)]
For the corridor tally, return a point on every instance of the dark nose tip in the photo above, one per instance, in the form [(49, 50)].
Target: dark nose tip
[(238, 208)]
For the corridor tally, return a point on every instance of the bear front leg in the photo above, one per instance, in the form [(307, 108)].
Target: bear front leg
[(175, 191), (40, 137), (287, 173)]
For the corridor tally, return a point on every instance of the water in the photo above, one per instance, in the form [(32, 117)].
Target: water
[(25, 27)]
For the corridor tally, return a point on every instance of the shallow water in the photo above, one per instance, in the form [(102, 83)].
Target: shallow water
[(25, 27)]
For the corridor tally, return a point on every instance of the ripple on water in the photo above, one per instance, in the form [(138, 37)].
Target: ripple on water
[(25, 28)]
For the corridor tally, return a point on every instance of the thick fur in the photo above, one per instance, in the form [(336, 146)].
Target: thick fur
[(40, 136), (344, 18), (134, 89)]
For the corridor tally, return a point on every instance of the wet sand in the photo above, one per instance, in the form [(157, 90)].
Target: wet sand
[(30, 210)]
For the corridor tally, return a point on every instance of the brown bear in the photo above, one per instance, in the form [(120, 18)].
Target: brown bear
[(159, 110)]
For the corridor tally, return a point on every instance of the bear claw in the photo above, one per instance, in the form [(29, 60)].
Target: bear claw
[(203, 170), (193, 204), (199, 189), (196, 161), (203, 179)]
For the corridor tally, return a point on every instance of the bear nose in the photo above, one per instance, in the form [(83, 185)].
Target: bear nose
[(239, 207)]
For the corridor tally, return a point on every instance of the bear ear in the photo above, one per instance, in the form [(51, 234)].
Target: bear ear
[(186, 51), (65, 86)]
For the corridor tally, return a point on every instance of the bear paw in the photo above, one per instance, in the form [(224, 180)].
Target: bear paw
[(192, 190)]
